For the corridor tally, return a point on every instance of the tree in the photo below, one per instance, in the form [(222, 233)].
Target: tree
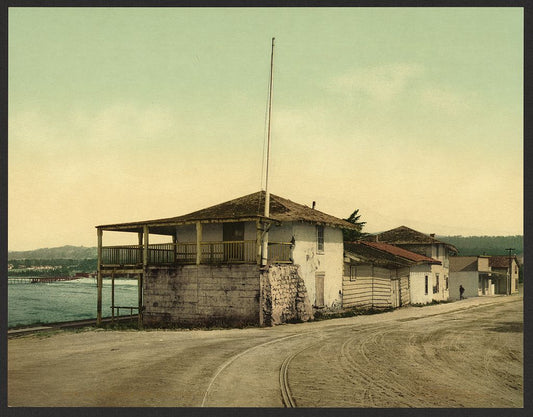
[(352, 235)]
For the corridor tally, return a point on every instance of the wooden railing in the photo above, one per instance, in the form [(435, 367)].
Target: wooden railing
[(226, 252), (122, 255)]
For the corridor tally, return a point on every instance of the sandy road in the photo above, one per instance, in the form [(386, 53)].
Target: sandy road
[(462, 354)]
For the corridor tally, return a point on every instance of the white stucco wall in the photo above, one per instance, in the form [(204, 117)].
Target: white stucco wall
[(330, 261), (469, 281), (186, 233), (417, 283), (305, 253), (212, 232), (443, 293)]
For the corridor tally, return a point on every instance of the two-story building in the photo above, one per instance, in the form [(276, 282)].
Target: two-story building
[(211, 271)]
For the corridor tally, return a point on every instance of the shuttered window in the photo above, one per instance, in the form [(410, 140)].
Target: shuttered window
[(353, 272), (427, 285), (320, 238)]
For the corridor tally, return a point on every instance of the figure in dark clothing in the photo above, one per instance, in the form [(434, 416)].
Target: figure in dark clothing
[(461, 292)]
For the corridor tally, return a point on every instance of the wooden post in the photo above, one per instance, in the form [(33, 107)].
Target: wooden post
[(258, 241), (140, 238), (198, 243), (175, 246), (140, 316), (99, 279), (113, 296), (145, 245)]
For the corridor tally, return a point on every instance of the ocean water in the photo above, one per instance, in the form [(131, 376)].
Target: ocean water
[(65, 300)]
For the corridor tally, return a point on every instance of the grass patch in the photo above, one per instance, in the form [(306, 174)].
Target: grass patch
[(351, 312), (432, 303)]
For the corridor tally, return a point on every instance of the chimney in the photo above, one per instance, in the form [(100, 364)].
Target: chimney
[(314, 204), (432, 235)]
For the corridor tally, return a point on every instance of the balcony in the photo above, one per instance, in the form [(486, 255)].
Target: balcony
[(222, 252)]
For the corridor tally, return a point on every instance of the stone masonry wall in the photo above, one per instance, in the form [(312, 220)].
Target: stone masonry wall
[(201, 295), (285, 297)]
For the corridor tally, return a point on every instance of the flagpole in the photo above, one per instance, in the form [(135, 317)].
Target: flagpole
[(264, 252)]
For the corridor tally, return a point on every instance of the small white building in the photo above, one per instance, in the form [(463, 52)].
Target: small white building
[(507, 266), (483, 275), (402, 275)]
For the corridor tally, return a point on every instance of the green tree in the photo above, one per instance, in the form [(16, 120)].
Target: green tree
[(352, 235)]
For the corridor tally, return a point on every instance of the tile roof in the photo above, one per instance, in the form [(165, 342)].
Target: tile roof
[(367, 253), (250, 206), (500, 261), (404, 235), (403, 253)]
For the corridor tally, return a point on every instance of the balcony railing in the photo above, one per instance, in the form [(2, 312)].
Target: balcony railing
[(225, 252)]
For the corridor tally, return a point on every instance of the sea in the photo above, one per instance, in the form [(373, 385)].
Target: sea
[(42, 303)]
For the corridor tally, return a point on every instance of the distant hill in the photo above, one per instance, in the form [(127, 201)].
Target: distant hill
[(485, 245), (467, 246), (63, 252)]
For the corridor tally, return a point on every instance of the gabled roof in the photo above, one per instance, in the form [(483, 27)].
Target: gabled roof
[(500, 261), (248, 207), (360, 252), (404, 235), (402, 253)]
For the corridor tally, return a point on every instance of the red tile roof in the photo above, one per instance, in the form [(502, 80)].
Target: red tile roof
[(403, 253)]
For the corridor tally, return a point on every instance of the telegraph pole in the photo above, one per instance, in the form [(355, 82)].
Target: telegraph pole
[(509, 275)]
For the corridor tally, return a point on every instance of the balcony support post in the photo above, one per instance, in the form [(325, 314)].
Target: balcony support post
[(198, 243), (140, 240), (99, 279), (258, 241), (145, 246)]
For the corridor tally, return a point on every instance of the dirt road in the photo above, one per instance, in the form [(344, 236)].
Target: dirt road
[(463, 354)]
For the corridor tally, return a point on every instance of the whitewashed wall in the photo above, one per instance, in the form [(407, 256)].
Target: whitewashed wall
[(443, 293), (469, 281), (310, 261), (305, 253), (417, 278)]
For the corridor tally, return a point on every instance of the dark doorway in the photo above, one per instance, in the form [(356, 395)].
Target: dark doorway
[(233, 237)]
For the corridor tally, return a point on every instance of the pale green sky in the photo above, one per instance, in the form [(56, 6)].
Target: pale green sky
[(412, 115)]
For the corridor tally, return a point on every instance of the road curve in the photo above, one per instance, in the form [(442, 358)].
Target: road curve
[(462, 354)]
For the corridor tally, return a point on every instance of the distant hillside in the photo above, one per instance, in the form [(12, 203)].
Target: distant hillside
[(63, 252), (467, 246), (485, 245)]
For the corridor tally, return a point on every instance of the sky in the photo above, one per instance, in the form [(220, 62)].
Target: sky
[(414, 116)]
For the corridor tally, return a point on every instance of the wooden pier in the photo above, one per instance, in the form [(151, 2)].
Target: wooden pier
[(38, 280)]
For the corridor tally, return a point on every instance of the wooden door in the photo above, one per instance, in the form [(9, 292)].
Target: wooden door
[(319, 289), (395, 293)]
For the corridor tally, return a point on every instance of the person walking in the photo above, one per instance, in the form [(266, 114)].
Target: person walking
[(461, 292)]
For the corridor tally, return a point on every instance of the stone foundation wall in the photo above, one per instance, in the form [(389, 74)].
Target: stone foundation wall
[(201, 295), (285, 296)]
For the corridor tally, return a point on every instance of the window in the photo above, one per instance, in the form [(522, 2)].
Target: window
[(446, 280), (426, 287), (353, 272), (320, 238), (436, 287)]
